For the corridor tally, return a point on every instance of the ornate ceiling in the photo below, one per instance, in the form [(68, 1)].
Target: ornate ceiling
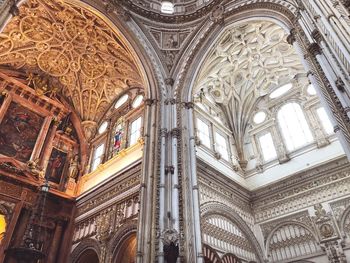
[(246, 64), (75, 46)]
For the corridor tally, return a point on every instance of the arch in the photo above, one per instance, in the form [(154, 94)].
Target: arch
[(268, 239), (86, 244), (216, 208), (230, 258), (126, 252), (88, 256), (210, 255), (285, 224), (343, 218), (276, 13), (120, 238)]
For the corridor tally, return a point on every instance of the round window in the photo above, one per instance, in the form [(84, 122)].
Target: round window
[(167, 7), (121, 101), (280, 91), (103, 127), (259, 117), (137, 101)]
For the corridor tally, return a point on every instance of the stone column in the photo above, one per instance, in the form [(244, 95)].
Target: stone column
[(145, 251), (190, 197), (317, 77)]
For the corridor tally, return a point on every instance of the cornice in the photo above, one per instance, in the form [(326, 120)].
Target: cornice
[(206, 172), (176, 18), (298, 179)]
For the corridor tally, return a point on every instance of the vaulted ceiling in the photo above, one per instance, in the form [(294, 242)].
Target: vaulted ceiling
[(75, 46), (246, 64)]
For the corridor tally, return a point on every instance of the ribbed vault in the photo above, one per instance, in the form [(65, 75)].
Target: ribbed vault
[(246, 63), (75, 46)]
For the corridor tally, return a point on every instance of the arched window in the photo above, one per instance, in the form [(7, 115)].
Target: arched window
[(135, 131), (98, 154), (326, 123), (294, 128), (267, 147), (203, 132), (221, 146)]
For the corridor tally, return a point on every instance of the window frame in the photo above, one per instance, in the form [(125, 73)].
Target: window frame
[(129, 125), (209, 124), (216, 130), (261, 152), (281, 131), (92, 169)]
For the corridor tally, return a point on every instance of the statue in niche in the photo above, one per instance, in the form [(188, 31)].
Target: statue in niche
[(74, 167), (35, 169)]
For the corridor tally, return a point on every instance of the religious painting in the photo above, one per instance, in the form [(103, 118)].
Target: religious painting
[(56, 165), (118, 136), (19, 131)]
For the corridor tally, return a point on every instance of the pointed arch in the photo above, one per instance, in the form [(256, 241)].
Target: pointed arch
[(216, 208)]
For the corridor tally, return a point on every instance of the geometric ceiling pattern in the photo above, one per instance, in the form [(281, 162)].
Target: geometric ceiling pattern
[(246, 64), (74, 46)]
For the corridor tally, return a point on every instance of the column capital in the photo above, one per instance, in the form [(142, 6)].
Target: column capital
[(316, 34), (188, 105), (314, 49), (175, 132), (291, 38), (150, 102), (163, 132)]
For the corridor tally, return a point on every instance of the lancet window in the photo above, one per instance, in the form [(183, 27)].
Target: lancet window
[(120, 129)]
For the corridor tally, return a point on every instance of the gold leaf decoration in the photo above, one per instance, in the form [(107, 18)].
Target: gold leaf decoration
[(75, 46)]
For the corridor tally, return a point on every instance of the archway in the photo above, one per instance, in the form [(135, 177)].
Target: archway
[(126, 252), (88, 256), (223, 212)]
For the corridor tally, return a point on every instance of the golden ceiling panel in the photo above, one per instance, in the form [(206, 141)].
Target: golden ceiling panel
[(74, 45)]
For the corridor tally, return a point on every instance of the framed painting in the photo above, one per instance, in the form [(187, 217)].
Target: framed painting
[(56, 165), (19, 131)]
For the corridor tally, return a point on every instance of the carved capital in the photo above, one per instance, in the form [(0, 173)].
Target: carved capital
[(340, 84), (314, 49), (301, 5), (217, 15), (163, 132), (316, 34), (188, 105), (291, 37), (150, 102), (170, 101), (175, 132)]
